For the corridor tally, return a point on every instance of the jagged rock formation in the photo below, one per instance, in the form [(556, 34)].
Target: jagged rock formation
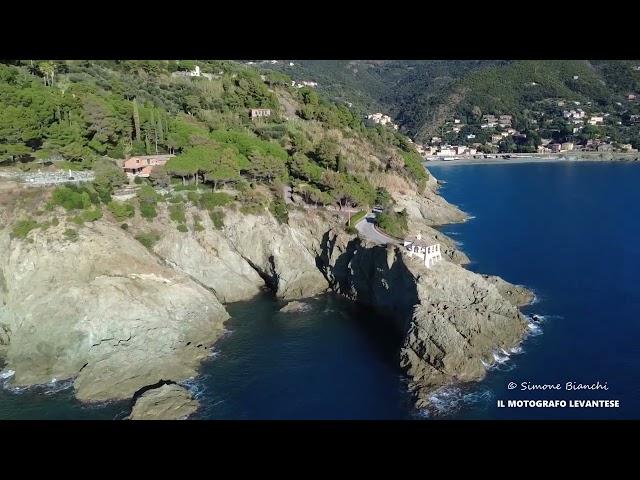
[(452, 319), (167, 402), (249, 252), (101, 309)]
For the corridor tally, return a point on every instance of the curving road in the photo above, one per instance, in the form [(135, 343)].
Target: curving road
[(369, 232)]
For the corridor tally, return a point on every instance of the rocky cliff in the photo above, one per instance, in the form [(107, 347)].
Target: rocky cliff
[(452, 319), (119, 318), (102, 310), (249, 252)]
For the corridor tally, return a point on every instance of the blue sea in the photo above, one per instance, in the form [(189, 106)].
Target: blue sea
[(570, 232)]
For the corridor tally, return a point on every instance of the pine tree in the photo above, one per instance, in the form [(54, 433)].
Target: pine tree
[(136, 119)]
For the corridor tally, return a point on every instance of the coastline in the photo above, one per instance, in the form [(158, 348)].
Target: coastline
[(538, 158)]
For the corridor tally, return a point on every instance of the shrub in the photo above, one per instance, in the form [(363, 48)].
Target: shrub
[(193, 197), (124, 226), (146, 193), (393, 223), (121, 210), (148, 239), (355, 218), (71, 234), (22, 228), (351, 230), (148, 210), (217, 217), (70, 198), (182, 228), (210, 200), (92, 215), (108, 177), (278, 209), (138, 180), (176, 213)]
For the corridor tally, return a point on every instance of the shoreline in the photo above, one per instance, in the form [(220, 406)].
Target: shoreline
[(544, 158)]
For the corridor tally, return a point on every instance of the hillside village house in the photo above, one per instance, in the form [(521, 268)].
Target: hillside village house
[(382, 119), (505, 120), (142, 166), (429, 254), (260, 112), (192, 73), (597, 120)]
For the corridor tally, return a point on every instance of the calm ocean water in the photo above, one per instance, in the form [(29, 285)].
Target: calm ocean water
[(570, 232)]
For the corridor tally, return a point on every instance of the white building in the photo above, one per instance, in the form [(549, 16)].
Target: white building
[(430, 254), (304, 83), (596, 120), (446, 152), (192, 73), (382, 119)]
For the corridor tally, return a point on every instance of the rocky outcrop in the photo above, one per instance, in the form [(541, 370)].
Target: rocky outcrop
[(429, 206), (516, 294), (249, 252), (168, 402), (452, 319), (102, 310), (296, 306)]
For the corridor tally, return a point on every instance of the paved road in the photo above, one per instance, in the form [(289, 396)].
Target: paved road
[(367, 230)]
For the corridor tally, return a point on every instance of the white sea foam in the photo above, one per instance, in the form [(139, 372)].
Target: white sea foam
[(6, 374), (500, 356), (451, 399), (534, 329), (56, 386)]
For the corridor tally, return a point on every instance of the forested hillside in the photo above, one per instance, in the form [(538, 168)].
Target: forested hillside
[(422, 96), (91, 115)]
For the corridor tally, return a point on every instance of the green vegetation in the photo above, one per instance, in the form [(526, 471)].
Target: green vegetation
[(71, 198), (383, 198), (71, 234), (350, 225), (147, 201), (148, 239), (83, 114), (393, 223), (278, 209), (217, 217), (88, 216), (177, 213), (121, 210), (413, 164), (210, 200), (22, 228)]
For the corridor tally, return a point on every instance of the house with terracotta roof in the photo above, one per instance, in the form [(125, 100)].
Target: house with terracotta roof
[(142, 166)]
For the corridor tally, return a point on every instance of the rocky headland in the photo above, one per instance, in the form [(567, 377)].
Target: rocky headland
[(119, 318)]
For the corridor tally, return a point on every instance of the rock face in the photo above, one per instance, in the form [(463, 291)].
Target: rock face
[(452, 319), (296, 306), (249, 252), (101, 309), (168, 402)]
